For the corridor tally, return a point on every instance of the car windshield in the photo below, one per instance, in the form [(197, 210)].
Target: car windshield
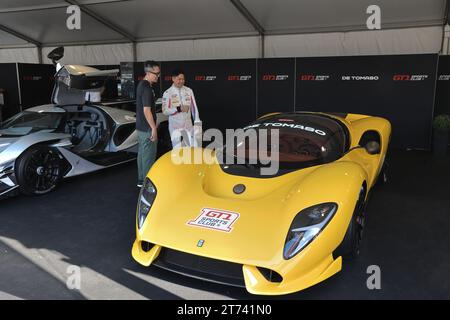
[(304, 140), (28, 122)]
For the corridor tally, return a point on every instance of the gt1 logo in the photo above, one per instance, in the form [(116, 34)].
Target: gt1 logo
[(219, 215), (374, 280), (273, 77), (73, 22), (32, 78), (205, 78), (408, 77), (310, 77), (239, 78)]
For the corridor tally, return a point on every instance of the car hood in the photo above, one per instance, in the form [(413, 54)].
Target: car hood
[(258, 219)]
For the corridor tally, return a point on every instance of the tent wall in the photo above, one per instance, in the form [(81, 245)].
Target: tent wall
[(22, 55), (219, 48), (94, 54), (382, 42)]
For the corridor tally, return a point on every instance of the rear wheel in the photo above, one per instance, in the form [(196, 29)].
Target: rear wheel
[(351, 245), (39, 170)]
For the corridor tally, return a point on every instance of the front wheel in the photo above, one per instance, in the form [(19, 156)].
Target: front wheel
[(38, 170), (350, 247)]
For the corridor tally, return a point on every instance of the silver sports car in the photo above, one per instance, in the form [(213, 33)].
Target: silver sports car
[(44, 144)]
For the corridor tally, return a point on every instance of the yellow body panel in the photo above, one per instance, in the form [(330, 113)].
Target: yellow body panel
[(266, 210)]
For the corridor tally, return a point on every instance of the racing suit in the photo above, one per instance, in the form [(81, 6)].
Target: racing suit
[(180, 123)]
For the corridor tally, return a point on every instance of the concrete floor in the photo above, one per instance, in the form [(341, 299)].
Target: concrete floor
[(88, 222)]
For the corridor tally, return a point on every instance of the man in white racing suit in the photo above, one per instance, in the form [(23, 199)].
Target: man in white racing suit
[(179, 104)]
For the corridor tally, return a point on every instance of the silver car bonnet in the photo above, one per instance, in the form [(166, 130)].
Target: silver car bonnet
[(6, 142)]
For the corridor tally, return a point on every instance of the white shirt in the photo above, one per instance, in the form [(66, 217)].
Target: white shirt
[(176, 97)]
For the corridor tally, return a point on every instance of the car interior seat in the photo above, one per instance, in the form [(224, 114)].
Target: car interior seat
[(88, 132), (95, 129)]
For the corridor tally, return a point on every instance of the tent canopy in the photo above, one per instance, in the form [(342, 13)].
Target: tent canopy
[(112, 21), (42, 23)]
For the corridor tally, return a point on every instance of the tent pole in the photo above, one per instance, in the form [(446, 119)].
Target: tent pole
[(445, 30), (39, 54), (134, 51)]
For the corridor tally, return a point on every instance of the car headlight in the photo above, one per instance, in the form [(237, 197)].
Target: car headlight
[(146, 198), (306, 226)]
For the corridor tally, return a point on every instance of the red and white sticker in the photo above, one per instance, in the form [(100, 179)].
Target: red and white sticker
[(215, 219)]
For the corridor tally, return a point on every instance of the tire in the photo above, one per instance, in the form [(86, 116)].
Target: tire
[(349, 249), (39, 170)]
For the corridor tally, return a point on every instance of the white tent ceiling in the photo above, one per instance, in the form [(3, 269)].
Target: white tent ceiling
[(144, 20), (42, 23), (292, 16)]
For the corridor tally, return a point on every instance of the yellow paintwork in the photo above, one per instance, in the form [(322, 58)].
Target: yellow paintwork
[(266, 209)]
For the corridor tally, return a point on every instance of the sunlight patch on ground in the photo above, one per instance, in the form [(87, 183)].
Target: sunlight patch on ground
[(93, 285), (178, 290)]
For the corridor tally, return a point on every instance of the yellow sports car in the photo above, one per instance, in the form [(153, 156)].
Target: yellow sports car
[(273, 233)]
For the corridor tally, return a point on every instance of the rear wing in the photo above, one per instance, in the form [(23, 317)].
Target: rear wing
[(72, 82), (83, 77)]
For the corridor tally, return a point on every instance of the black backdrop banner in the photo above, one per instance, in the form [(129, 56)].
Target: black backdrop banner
[(36, 84), (131, 73), (276, 85), (232, 93), (443, 87), (8, 82), (225, 90), (399, 88)]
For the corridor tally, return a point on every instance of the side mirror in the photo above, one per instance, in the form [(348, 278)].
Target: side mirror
[(373, 147), (56, 54)]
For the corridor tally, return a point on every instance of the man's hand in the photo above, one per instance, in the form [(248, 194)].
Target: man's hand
[(184, 108), (154, 134)]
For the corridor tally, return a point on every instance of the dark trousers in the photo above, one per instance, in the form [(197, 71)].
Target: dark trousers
[(146, 154)]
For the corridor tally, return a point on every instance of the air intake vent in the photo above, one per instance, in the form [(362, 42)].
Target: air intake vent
[(270, 275), (146, 246)]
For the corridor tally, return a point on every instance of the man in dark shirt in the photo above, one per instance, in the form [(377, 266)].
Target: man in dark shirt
[(146, 120)]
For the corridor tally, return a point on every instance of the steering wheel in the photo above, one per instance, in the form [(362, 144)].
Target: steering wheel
[(286, 146), (308, 149)]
